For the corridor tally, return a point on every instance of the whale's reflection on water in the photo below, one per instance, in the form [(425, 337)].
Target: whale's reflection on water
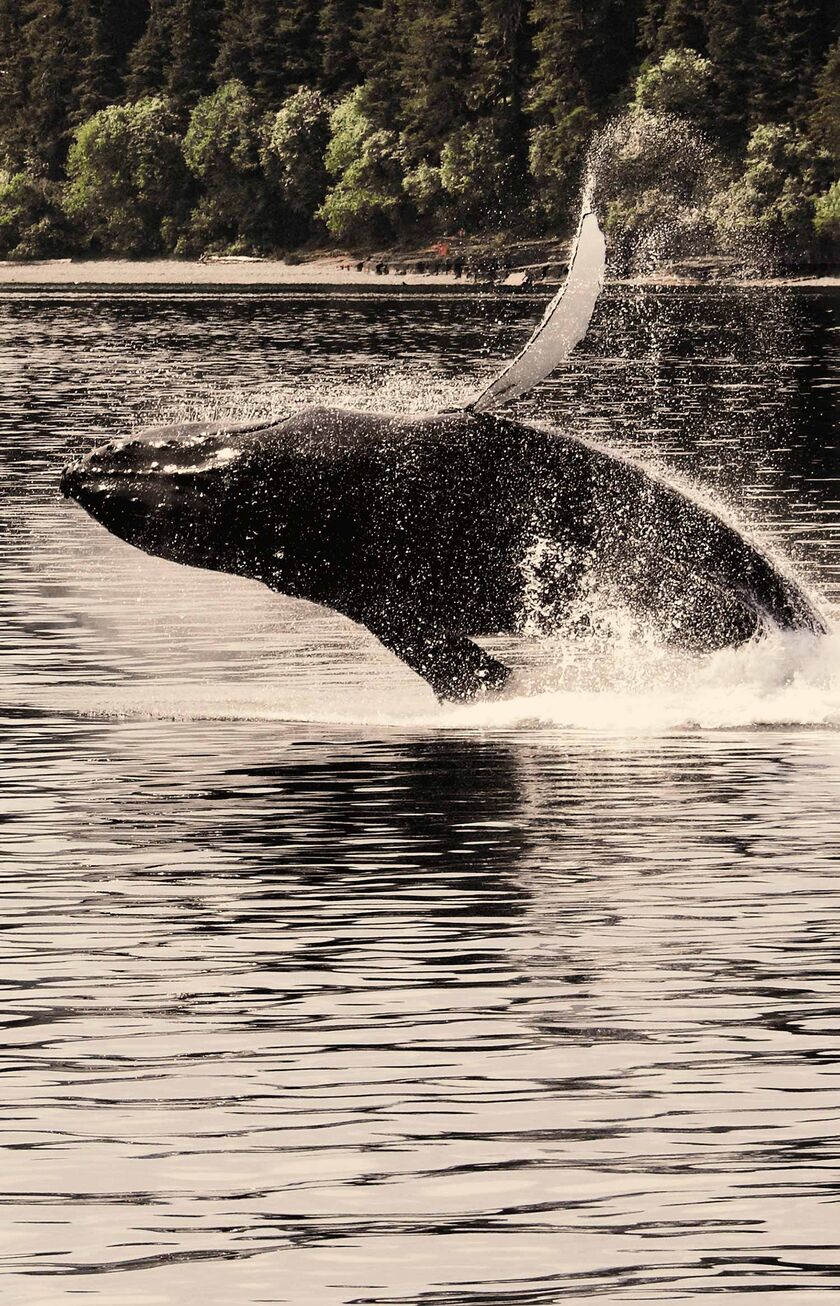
[(297, 1013), (530, 1004)]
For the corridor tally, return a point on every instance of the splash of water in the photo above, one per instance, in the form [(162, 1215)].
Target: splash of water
[(622, 690), (659, 184), (398, 387), (785, 679)]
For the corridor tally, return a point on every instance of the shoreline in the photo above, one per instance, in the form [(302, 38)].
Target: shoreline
[(327, 272), (208, 272)]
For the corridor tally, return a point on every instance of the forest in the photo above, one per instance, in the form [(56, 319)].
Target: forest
[(150, 127)]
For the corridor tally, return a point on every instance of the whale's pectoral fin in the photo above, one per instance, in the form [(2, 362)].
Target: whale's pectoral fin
[(454, 666)]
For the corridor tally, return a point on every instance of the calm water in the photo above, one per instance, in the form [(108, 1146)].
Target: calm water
[(318, 991)]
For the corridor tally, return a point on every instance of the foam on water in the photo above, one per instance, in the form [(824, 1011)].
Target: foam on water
[(627, 689), (784, 679)]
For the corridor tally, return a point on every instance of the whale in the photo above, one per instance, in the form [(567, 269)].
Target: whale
[(435, 531)]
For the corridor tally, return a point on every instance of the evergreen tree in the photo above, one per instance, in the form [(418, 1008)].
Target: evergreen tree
[(121, 23), (378, 49), (114, 27), (193, 40), (501, 67), (730, 27), (585, 49), (337, 24), (791, 37), (55, 44), (177, 50), (824, 118), (148, 62), (13, 133), (673, 25), (271, 46), (436, 65)]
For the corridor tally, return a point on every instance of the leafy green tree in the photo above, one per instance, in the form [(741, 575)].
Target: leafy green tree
[(296, 140), (774, 199), (453, 108), (474, 172), (367, 200), (222, 151), (555, 157), (678, 84), (652, 176), (655, 173), (827, 214), (31, 220), (127, 181), (424, 188)]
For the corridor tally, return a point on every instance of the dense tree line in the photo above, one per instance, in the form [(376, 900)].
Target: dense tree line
[(143, 126)]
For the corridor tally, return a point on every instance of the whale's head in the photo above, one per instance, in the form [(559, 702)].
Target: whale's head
[(295, 503), (251, 499)]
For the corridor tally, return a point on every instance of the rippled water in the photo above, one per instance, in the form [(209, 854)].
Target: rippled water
[(318, 991)]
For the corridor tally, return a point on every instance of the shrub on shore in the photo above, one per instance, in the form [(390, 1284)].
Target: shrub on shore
[(293, 156), (32, 223), (222, 151)]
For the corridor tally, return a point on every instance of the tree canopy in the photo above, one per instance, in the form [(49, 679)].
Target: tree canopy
[(279, 121)]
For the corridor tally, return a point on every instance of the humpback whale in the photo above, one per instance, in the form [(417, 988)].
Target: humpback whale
[(432, 530)]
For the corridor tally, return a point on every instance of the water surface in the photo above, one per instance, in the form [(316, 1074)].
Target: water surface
[(318, 991)]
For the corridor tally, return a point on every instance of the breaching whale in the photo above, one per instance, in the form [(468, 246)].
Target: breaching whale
[(432, 530)]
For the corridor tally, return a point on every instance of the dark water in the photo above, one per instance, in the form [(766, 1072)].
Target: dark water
[(317, 991)]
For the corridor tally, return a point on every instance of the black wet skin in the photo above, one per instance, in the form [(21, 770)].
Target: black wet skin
[(429, 530)]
